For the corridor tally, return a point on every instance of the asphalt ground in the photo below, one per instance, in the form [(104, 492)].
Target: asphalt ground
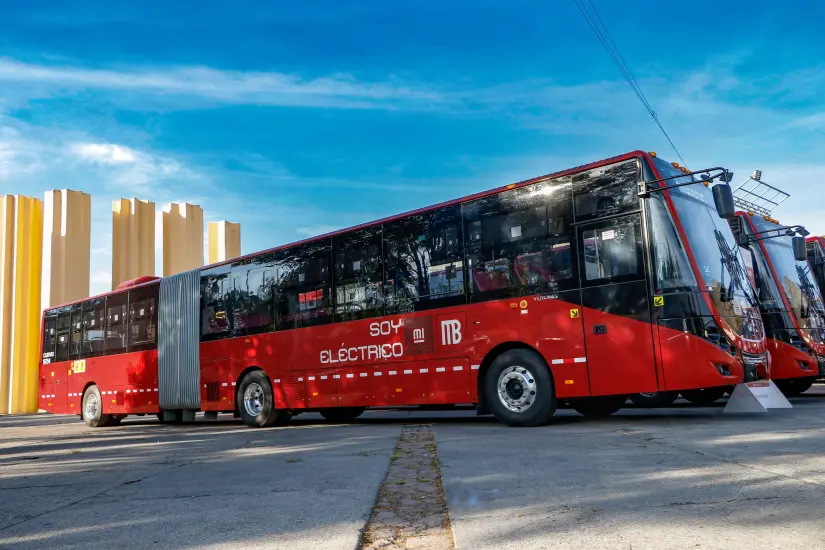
[(681, 477)]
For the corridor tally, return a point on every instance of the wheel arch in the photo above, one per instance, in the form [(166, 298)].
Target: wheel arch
[(247, 370), (483, 407)]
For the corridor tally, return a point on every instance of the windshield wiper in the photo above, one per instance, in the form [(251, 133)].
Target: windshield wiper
[(737, 274)]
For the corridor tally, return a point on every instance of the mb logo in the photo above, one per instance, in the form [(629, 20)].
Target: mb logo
[(450, 332)]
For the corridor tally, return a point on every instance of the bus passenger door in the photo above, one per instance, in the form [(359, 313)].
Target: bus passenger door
[(615, 312)]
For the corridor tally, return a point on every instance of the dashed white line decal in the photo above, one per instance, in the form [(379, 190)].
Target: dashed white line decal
[(142, 390), (311, 378), (233, 383), (474, 367), (392, 373), (336, 376), (580, 360), (323, 378), (363, 374), (350, 376), (557, 361), (300, 379), (277, 380), (458, 368), (376, 373), (440, 369), (422, 371), (408, 371), (224, 384)]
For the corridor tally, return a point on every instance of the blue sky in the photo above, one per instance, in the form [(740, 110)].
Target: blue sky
[(297, 117)]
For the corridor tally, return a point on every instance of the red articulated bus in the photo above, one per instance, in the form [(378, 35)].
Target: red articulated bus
[(585, 286), (789, 301)]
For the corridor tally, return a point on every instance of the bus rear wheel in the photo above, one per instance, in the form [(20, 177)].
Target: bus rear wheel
[(256, 402), (652, 400), (519, 390), (92, 411), (344, 414), (704, 396), (599, 407)]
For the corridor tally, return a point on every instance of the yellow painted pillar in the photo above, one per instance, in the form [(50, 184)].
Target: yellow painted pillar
[(133, 240), (20, 286), (224, 241), (66, 246), (182, 238)]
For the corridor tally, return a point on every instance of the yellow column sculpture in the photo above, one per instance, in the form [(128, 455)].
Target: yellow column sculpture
[(21, 249), (66, 246), (133, 240), (224, 241), (182, 238)]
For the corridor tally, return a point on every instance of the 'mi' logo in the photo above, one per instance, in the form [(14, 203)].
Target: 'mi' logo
[(450, 332)]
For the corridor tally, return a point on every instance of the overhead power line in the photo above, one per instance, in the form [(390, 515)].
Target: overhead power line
[(594, 21)]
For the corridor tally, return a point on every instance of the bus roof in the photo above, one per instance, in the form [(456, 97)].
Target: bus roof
[(626, 156)]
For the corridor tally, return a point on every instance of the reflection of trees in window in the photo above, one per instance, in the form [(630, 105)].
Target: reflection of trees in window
[(424, 261), (215, 288), (358, 274), (76, 332), (116, 327), (672, 269), (612, 251), (606, 190), (143, 317), (518, 242), (303, 293)]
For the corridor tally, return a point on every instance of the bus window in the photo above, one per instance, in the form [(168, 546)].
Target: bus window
[(606, 191), (64, 325), (303, 290), (143, 317), (76, 338), (93, 329), (424, 261), (518, 242), (254, 300), (216, 288), (49, 337), (358, 274), (116, 323), (613, 250)]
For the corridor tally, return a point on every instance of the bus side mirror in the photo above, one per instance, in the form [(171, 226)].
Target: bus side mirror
[(723, 197), (800, 252)]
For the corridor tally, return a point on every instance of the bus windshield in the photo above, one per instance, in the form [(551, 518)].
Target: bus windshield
[(797, 283), (718, 257)]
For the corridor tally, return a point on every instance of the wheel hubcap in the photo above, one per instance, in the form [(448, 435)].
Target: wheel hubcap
[(517, 388), (253, 399), (92, 406)]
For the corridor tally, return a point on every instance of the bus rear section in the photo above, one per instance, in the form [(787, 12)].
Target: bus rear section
[(578, 286), (789, 301), (99, 357)]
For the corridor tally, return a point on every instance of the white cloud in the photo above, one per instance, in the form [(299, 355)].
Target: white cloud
[(104, 153), (251, 87)]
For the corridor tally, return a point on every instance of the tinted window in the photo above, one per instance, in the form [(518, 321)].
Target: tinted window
[(93, 328), (613, 251), (424, 263), (358, 274), (671, 266), (607, 190), (303, 288), (49, 336), (216, 288), (64, 325), (76, 337), (143, 317), (116, 326), (518, 242), (252, 297)]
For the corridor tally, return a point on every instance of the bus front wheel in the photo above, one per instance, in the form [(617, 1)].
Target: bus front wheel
[(92, 412), (519, 389), (256, 402)]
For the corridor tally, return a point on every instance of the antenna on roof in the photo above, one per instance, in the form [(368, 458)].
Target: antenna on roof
[(754, 195)]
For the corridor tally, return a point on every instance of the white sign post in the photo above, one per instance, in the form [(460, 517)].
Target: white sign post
[(756, 397)]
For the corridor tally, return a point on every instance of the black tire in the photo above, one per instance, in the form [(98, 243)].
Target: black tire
[(599, 407), (115, 420), (793, 387), (257, 406), (704, 396), (527, 385), (343, 414), (653, 400), (92, 409)]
